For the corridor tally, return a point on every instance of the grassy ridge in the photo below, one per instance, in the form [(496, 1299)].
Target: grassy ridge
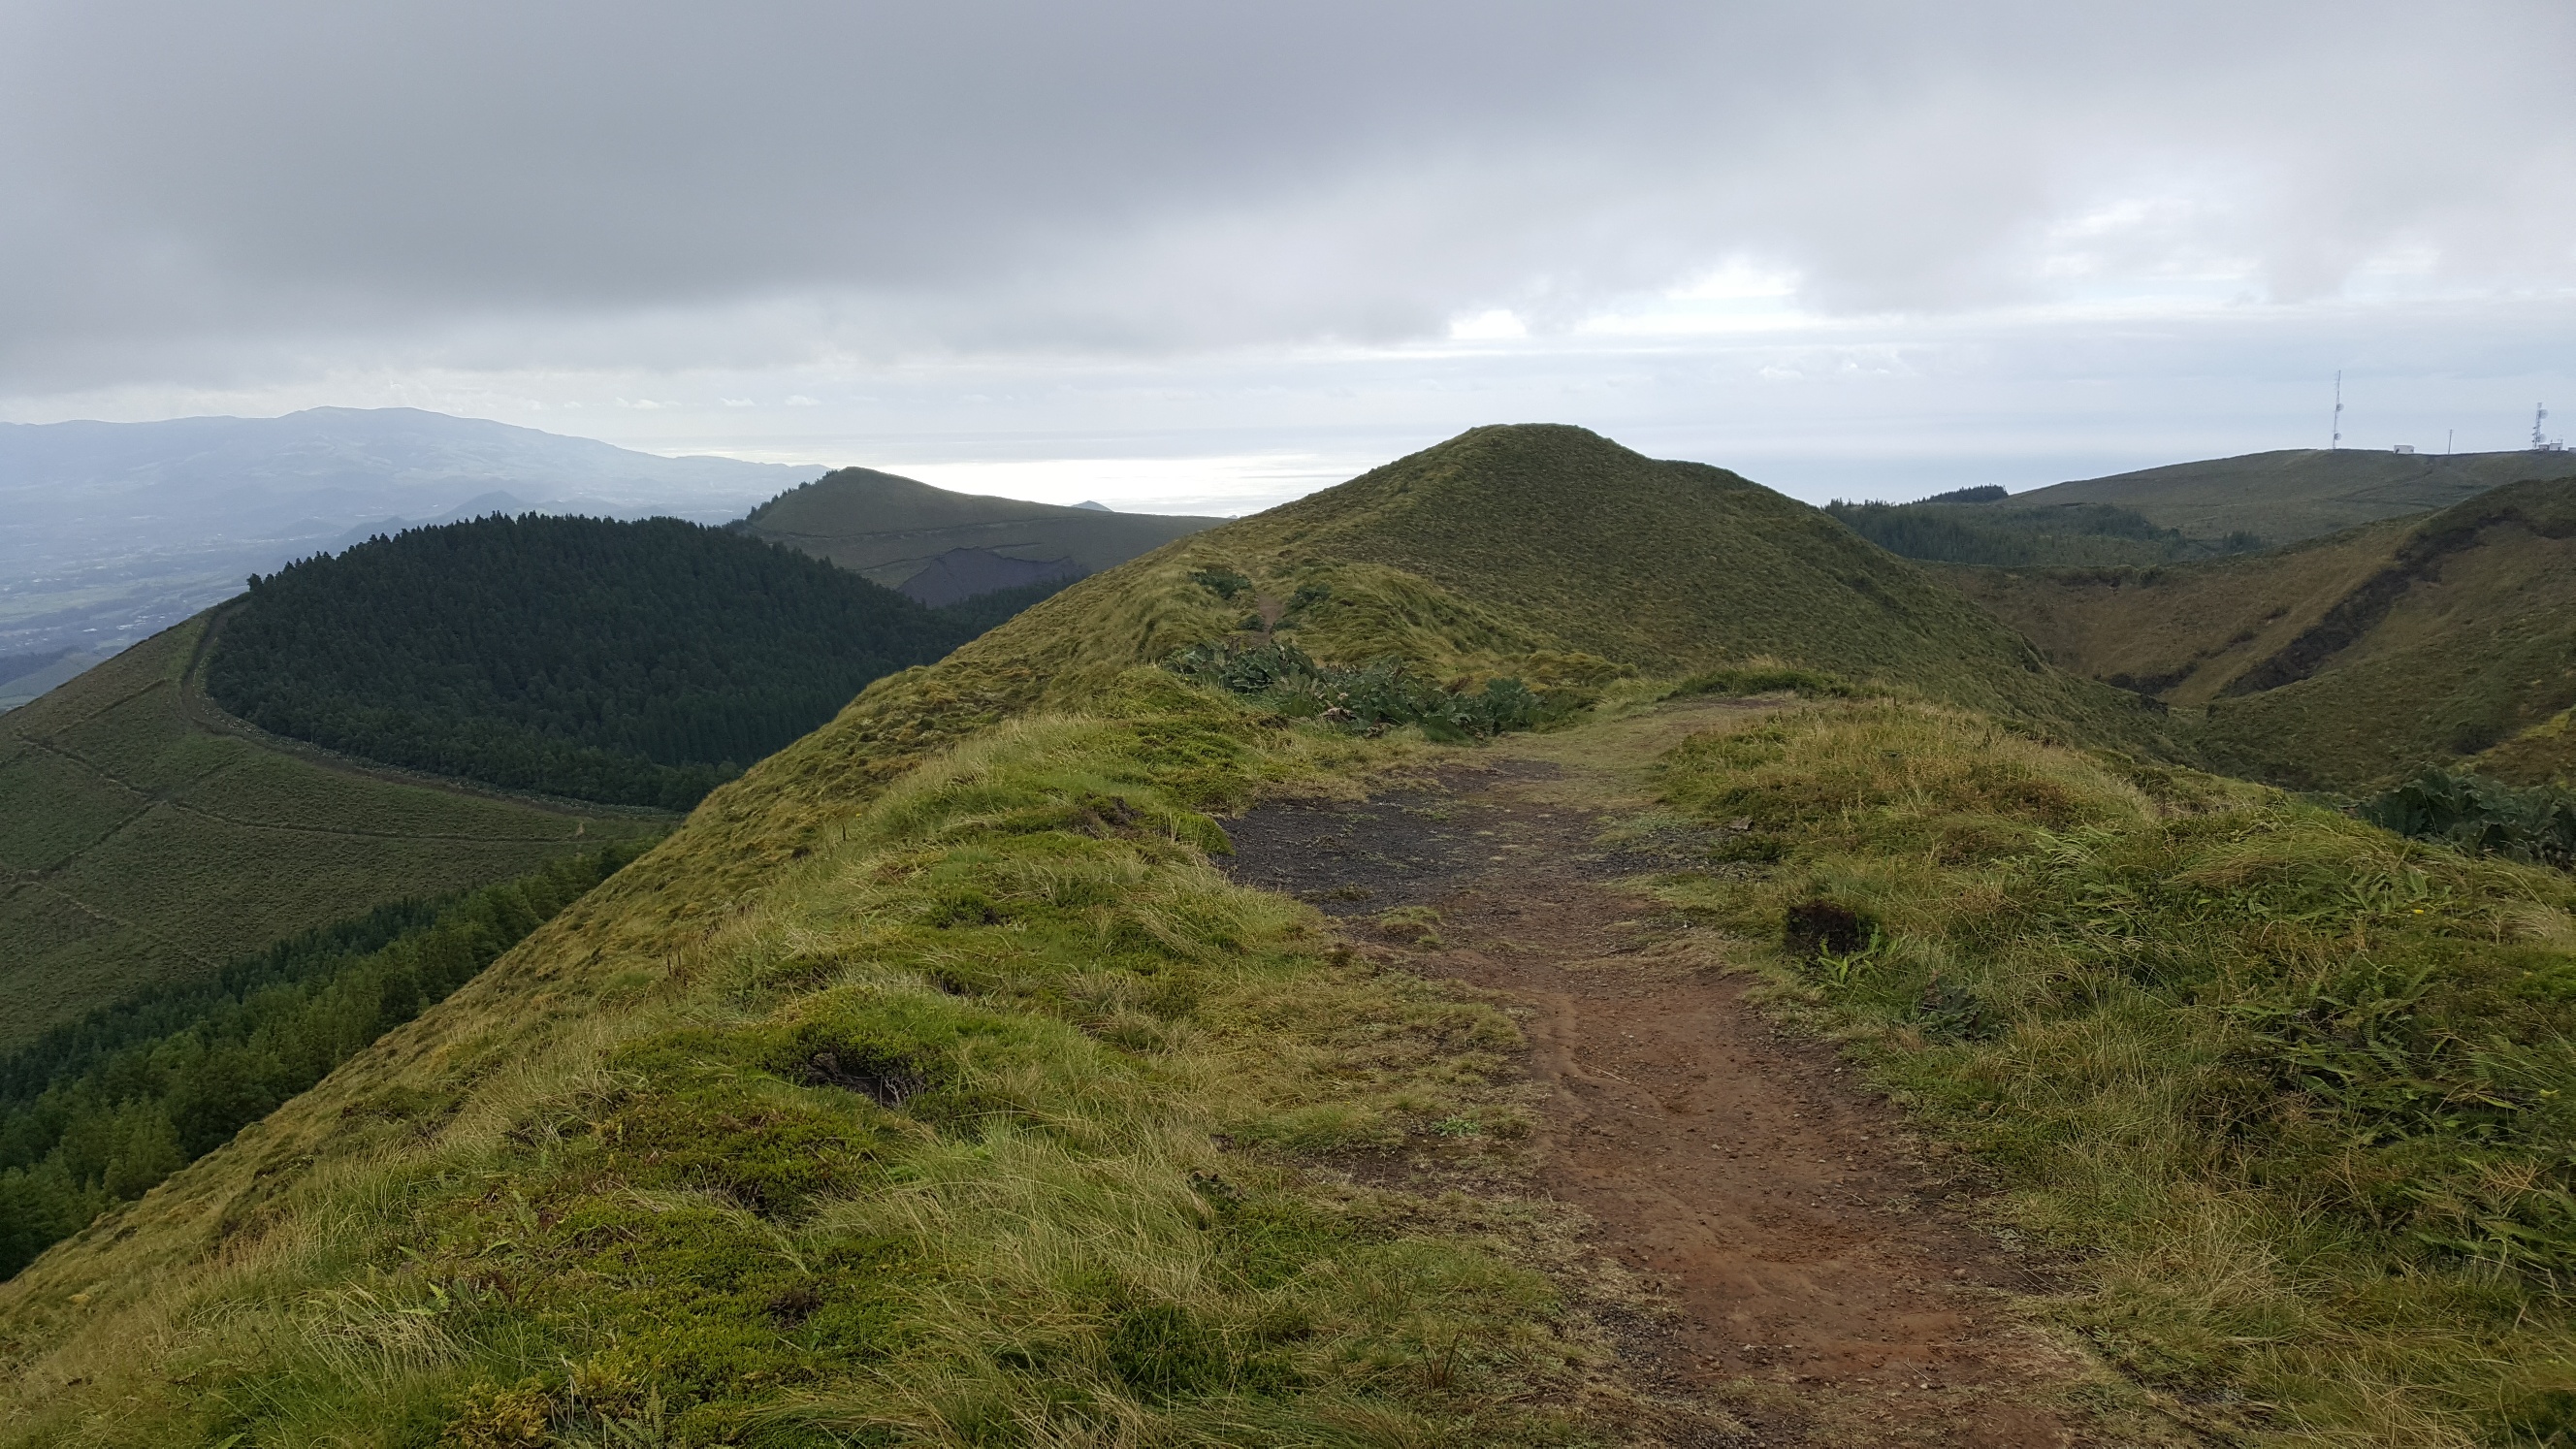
[(145, 847), (1552, 540), (2294, 494), (2466, 640), (886, 527), (986, 1120), (2297, 1089)]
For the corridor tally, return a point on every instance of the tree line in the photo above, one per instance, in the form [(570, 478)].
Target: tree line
[(631, 663), (98, 1111), (1968, 526)]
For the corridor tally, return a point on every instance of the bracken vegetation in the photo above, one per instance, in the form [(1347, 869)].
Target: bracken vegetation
[(2485, 817), (101, 1110), (1372, 698), (631, 663), (2303, 1092)]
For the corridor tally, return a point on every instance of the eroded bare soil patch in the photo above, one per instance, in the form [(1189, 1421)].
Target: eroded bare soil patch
[(1828, 1284)]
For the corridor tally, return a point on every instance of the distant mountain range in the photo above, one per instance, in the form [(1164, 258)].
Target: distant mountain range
[(118, 530)]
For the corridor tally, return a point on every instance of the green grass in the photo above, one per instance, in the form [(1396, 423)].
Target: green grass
[(990, 1119), (2297, 1095), (143, 847)]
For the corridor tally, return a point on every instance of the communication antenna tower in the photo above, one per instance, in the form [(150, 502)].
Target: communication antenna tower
[(2337, 443), (2539, 415)]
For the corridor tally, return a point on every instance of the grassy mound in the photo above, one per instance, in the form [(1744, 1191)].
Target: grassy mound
[(148, 845), (2296, 1090), (1522, 541)]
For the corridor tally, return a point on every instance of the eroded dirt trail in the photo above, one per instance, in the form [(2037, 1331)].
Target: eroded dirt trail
[(1829, 1290)]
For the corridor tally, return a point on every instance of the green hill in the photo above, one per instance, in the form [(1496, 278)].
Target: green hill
[(150, 840), (931, 1086), (1566, 542), (891, 529), (632, 663), (2349, 660), (2296, 493)]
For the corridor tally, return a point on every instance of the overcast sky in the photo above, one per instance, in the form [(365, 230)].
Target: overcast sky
[(1192, 254)]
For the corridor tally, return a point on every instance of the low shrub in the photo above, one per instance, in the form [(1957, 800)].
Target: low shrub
[(1370, 699), (2485, 817)]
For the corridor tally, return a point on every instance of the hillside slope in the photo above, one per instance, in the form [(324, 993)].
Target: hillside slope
[(2299, 493), (929, 1083), (146, 843), (2181, 631), (1568, 542), (891, 528), (2349, 660)]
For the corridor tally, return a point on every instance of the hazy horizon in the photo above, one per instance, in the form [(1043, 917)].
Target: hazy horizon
[(1178, 258)]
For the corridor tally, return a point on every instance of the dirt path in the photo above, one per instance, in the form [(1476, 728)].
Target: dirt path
[(1830, 1293)]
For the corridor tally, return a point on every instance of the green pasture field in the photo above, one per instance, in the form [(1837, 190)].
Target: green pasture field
[(143, 844)]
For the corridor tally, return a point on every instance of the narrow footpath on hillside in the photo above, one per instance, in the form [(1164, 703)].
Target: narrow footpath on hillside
[(1828, 1282)]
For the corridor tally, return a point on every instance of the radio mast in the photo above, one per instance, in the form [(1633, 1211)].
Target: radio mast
[(2338, 416)]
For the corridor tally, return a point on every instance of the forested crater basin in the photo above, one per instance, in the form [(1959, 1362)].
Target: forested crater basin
[(627, 663)]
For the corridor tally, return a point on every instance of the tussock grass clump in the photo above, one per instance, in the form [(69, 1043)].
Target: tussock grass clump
[(993, 1122), (1373, 698), (2298, 1088)]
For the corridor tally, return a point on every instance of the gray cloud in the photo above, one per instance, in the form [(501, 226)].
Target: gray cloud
[(198, 192)]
